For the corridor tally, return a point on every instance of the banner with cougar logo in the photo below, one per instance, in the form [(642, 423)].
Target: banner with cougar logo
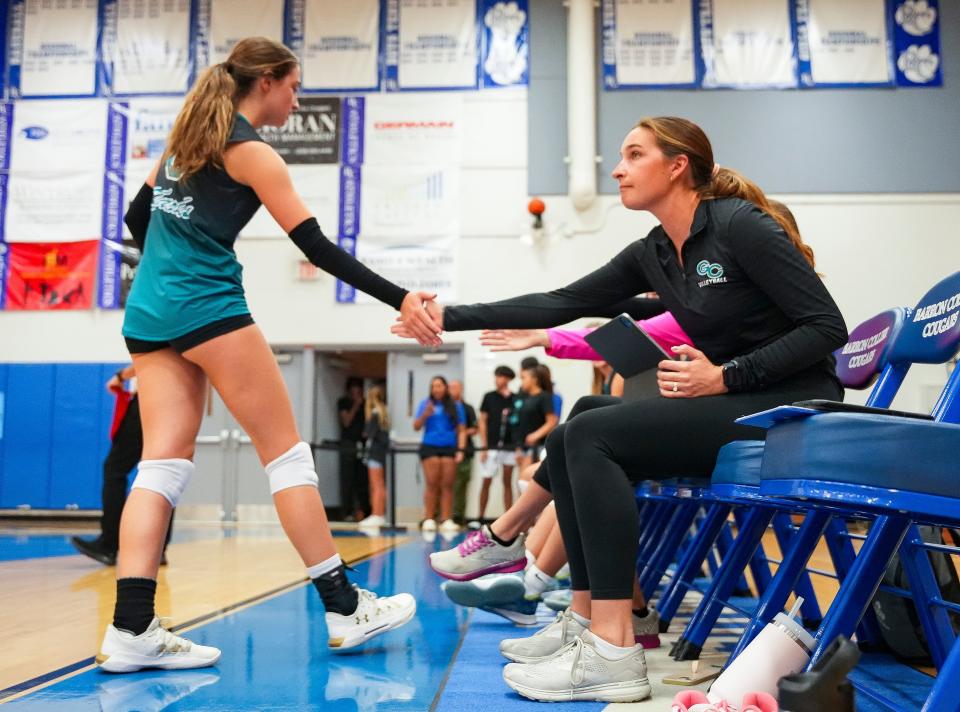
[(917, 43), (505, 55)]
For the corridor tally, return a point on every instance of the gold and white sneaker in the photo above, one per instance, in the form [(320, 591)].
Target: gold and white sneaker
[(156, 647), (579, 671), (373, 616)]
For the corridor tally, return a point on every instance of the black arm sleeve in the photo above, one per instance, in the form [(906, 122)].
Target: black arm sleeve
[(772, 262), (638, 308), (137, 217), (342, 265), (616, 281)]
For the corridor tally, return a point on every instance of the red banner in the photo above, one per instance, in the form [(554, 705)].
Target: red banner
[(51, 275)]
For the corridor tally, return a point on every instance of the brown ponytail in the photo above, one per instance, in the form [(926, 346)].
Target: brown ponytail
[(201, 129)]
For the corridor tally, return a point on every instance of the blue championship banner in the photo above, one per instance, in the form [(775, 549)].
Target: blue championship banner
[(649, 45), (147, 47), (844, 44), (352, 152), (748, 44), (53, 48), (431, 47)]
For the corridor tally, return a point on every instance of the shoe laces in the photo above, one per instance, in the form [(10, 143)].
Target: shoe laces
[(564, 619), (380, 605), (577, 670), (474, 542), (171, 642)]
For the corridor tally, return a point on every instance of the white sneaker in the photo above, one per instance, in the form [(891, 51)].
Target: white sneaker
[(374, 520), (428, 525), (473, 524), (579, 672), (156, 647), (479, 554), (449, 526), (373, 616), (545, 642)]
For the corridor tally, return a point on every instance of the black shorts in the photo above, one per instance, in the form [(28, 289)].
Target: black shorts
[(193, 338), (434, 451)]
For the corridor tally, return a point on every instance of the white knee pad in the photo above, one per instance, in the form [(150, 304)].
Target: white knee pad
[(165, 477), (294, 468)]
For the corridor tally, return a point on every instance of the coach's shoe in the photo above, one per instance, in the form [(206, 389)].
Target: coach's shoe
[(579, 671), (156, 647), (95, 550), (372, 617), (646, 630), (545, 642), (479, 554)]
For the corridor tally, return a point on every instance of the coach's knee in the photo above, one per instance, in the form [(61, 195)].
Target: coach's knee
[(167, 478)]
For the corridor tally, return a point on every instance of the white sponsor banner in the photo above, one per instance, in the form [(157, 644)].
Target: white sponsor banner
[(232, 20), (319, 187), (56, 171), (849, 42), (341, 44), (409, 203), (651, 43), (749, 43), (407, 129), (437, 44), (430, 266), (59, 48), (152, 53)]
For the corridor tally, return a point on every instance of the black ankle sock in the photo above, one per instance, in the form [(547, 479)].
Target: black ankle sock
[(641, 612), (134, 610), (502, 542), (337, 593)]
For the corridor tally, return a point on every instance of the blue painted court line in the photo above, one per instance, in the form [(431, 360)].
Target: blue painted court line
[(275, 656)]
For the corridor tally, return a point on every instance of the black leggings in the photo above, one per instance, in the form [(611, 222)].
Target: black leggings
[(595, 457)]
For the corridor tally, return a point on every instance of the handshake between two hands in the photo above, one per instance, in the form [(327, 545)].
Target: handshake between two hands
[(421, 318)]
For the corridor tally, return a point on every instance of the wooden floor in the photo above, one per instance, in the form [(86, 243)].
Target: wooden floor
[(56, 609)]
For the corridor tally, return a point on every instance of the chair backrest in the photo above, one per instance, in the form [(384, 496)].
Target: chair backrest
[(932, 331), (864, 356)]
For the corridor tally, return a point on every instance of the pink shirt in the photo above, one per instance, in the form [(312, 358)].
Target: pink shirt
[(569, 343)]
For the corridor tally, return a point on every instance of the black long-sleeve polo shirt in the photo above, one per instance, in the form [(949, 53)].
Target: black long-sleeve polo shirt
[(742, 291)]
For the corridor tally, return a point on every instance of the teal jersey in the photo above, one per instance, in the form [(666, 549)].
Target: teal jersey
[(189, 275)]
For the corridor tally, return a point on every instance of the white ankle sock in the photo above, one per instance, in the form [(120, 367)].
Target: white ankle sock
[(611, 651), (324, 567), (531, 558), (536, 582), (585, 622)]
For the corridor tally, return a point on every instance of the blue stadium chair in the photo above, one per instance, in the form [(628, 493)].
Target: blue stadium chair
[(899, 470)]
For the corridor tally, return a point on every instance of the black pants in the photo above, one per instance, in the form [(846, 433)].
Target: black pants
[(354, 485), (125, 451), (596, 456)]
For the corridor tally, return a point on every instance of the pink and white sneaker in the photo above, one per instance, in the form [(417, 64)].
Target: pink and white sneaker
[(478, 555)]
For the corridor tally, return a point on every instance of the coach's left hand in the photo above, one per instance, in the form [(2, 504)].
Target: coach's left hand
[(692, 378)]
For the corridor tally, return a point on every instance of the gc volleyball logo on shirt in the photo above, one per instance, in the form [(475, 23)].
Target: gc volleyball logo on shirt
[(712, 271)]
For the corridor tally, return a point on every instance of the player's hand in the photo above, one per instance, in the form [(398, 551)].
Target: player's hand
[(417, 321), (514, 339)]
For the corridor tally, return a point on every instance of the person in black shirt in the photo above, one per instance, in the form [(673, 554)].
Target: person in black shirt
[(534, 412), (741, 284), (354, 487), (496, 439), (376, 433)]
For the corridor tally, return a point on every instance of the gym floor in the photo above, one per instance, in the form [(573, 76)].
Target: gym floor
[(244, 591)]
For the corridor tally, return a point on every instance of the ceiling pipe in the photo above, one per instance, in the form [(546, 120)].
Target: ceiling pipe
[(582, 103)]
